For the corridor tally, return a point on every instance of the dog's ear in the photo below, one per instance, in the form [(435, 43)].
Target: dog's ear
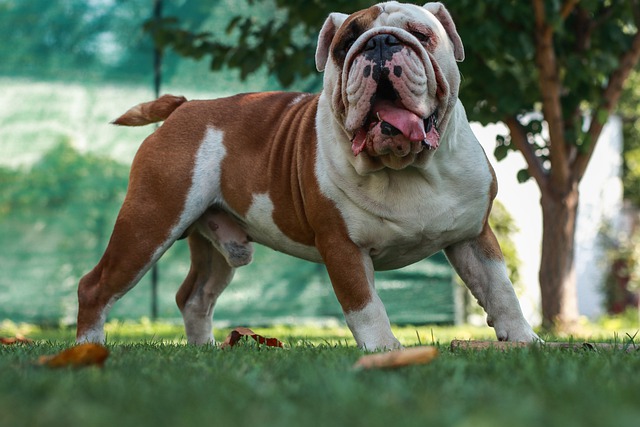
[(328, 31), (442, 14)]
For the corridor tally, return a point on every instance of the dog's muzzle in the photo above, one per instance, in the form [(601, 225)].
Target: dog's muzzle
[(388, 99)]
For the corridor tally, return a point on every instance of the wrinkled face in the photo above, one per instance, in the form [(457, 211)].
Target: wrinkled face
[(392, 78)]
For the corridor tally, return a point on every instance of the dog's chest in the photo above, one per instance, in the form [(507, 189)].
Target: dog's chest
[(412, 219)]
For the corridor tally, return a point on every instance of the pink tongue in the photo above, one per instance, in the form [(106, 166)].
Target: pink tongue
[(359, 141), (411, 125)]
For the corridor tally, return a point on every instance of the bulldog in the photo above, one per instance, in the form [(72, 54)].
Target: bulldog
[(378, 171)]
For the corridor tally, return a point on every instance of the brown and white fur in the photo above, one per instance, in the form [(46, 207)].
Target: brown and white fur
[(314, 177)]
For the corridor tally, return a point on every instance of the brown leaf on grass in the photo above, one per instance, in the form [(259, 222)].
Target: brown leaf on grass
[(398, 358), (18, 339), (236, 334), (87, 354)]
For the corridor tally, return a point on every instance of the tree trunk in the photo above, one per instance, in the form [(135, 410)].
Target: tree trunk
[(557, 273)]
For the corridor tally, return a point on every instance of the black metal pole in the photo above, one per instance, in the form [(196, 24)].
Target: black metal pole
[(157, 51), (157, 81)]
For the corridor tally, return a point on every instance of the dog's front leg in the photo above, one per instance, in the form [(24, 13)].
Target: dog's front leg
[(351, 273), (480, 264)]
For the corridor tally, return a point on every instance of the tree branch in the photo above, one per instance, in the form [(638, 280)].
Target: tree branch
[(609, 100), (567, 8), (519, 139), (550, 89)]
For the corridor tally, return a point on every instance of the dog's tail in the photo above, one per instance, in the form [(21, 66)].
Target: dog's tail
[(150, 112)]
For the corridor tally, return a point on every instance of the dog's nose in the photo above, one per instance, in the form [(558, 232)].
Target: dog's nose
[(382, 42), (381, 48)]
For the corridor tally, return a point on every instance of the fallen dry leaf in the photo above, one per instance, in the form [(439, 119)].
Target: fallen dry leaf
[(236, 334), (398, 358), (18, 339), (86, 354)]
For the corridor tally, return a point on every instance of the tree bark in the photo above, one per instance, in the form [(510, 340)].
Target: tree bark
[(557, 272)]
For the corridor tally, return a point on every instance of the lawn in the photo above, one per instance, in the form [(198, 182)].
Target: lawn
[(152, 378)]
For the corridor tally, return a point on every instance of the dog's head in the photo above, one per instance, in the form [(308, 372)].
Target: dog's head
[(391, 78)]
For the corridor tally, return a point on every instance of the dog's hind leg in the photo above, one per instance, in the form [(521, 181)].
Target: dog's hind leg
[(209, 275), (139, 239), (162, 201)]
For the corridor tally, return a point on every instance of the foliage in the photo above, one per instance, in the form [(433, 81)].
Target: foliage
[(621, 288), (99, 41), (78, 192), (56, 216), (280, 41), (87, 38), (504, 227), (630, 112), (630, 318), (624, 250)]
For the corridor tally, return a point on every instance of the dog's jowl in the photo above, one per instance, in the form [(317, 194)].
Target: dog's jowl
[(378, 171)]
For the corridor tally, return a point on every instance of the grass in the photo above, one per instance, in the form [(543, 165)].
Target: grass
[(152, 378)]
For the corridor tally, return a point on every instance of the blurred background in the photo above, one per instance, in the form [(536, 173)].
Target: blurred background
[(68, 68)]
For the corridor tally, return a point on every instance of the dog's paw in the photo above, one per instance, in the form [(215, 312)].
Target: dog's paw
[(519, 331), (381, 345), (201, 340), (96, 336)]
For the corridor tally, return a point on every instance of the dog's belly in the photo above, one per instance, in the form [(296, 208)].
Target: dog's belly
[(392, 255), (396, 243), (390, 245), (392, 242)]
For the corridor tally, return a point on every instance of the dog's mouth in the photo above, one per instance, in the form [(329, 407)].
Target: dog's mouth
[(391, 128)]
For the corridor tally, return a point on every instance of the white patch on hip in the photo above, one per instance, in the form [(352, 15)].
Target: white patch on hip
[(205, 180), (204, 191), (263, 229)]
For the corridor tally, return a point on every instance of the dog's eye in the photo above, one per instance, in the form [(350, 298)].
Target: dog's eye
[(423, 38), (342, 49), (347, 44)]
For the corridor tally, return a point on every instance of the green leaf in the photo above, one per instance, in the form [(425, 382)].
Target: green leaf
[(534, 126), (523, 176), (602, 115), (233, 23), (501, 152)]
